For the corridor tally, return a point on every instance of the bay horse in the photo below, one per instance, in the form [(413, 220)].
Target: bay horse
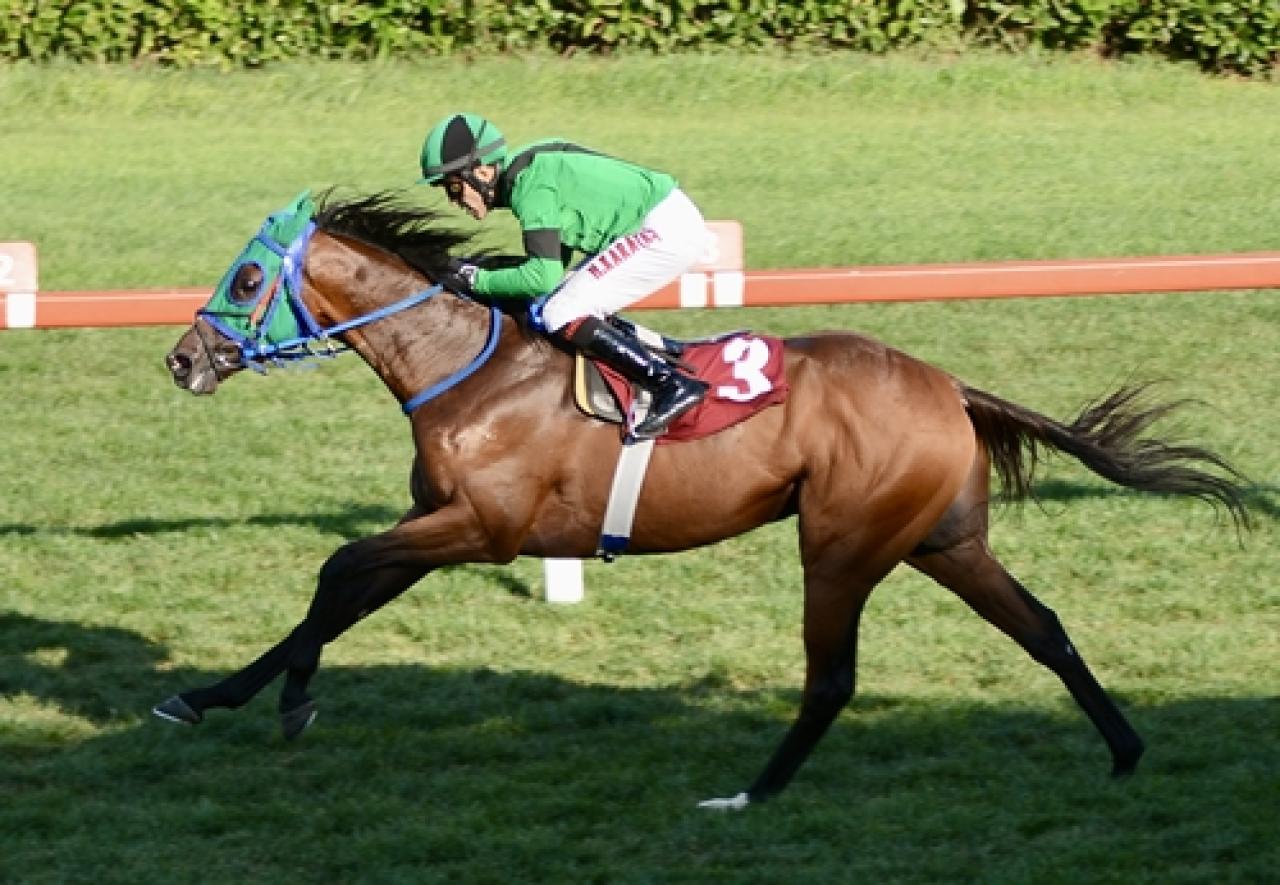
[(881, 457)]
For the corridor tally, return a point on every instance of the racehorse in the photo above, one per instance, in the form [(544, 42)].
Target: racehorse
[(881, 457)]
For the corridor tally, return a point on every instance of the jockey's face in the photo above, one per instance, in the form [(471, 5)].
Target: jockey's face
[(464, 196)]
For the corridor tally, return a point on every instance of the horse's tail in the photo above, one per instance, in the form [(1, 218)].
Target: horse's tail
[(1107, 437)]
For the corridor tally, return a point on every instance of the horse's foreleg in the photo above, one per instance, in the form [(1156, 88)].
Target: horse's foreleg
[(240, 687), (342, 597), (970, 571), (365, 575), (232, 692), (333, 609), (359, 578)]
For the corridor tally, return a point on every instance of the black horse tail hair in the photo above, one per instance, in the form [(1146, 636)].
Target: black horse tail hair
[(1108, 438)]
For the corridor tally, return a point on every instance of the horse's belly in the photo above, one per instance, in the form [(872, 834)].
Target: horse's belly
[(700, 493)]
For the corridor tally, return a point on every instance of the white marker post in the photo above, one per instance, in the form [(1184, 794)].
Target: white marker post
[(718, 279), (18, 285), (564, 580)]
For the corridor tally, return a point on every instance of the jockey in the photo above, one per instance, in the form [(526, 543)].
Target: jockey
[(636, 226)]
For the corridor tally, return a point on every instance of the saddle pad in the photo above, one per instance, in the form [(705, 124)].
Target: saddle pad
[(746, 375)]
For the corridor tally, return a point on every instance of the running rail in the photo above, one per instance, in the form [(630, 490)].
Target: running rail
[(719, 281)]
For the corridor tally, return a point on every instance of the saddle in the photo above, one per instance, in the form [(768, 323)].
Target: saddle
[(745, 373)]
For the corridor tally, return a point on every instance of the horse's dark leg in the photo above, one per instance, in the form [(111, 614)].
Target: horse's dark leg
[(969, 570), (344, 595), (237, 689), (232, 692), (363, 575), (332, 611), (833, 606)]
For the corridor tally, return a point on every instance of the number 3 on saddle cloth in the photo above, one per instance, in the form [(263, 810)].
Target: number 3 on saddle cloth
[(744, 371)]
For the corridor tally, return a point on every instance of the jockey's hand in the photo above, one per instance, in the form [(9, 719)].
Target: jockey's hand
[(459, 276)]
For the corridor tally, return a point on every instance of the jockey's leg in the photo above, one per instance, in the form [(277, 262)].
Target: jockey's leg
[(670, 241), (674, 392)]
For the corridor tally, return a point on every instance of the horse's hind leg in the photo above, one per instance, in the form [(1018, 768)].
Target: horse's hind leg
[(835, 592), (832, 610), (970, 570)]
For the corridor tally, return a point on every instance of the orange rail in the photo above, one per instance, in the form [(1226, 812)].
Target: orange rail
[(759, 288), (779, 288)]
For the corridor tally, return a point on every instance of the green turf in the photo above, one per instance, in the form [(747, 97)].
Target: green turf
[(150, 541), (132, 178)]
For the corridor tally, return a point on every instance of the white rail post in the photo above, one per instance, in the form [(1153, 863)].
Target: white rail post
[(18, 284), (564, 583)]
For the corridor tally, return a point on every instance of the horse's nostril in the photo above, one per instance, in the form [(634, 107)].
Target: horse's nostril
[(179, 365)]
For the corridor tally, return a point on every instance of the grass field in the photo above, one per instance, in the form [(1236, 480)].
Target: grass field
[(132, 178), (151, 541)]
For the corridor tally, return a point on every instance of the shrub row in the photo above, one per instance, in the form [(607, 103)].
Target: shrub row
[(1240, 37)]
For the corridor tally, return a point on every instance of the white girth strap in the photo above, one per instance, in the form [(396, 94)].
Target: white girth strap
[(628, 476)]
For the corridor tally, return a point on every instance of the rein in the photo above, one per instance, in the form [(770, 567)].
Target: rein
[(490, 345), (285, 293)]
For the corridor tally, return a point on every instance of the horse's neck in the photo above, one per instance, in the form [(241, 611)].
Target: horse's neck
[(426, 345), (422, 346)]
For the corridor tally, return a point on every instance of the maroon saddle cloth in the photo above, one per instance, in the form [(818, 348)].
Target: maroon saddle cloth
[(745, 373)]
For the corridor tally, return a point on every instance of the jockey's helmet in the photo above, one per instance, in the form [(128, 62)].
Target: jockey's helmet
[(458, 144)]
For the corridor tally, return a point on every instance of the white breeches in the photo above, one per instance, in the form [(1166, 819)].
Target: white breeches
[(670, 241)]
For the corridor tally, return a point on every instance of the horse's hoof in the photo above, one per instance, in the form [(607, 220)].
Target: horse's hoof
[(737, 803), (295, 722), (1121, 771), (175, 709), (1123, 765)]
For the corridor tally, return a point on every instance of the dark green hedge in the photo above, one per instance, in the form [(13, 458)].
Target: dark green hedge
[(1238, 37)]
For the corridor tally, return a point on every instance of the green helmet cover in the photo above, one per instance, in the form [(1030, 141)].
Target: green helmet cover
[(458, 143)]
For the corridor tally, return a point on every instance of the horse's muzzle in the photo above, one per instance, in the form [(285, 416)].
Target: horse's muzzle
[(193, 363), (190, 374)]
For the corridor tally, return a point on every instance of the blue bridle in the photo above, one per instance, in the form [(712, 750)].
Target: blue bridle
[(283, 330)]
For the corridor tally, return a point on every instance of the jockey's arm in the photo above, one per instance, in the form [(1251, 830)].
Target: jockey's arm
[(539, 273), (538, 209)]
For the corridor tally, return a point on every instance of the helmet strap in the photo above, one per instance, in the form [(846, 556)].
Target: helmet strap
[(488, 190)]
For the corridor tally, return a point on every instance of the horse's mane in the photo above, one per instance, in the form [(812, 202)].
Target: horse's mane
[(386, 221), (420, 236)]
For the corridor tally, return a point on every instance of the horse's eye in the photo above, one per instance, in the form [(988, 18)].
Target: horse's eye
[(247, 284)]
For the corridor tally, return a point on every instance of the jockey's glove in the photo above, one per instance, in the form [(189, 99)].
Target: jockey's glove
[(459, 276)]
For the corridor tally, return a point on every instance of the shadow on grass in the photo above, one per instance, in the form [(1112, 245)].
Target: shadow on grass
[(349, 523), (90, 672), (360, 520), (111, 676), (419, 765)]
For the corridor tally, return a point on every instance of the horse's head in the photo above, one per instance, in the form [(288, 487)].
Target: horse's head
[(372, 259), (256, 313), (203, 356)]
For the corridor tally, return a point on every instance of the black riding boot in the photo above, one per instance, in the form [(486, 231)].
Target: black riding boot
[(674, 392)]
